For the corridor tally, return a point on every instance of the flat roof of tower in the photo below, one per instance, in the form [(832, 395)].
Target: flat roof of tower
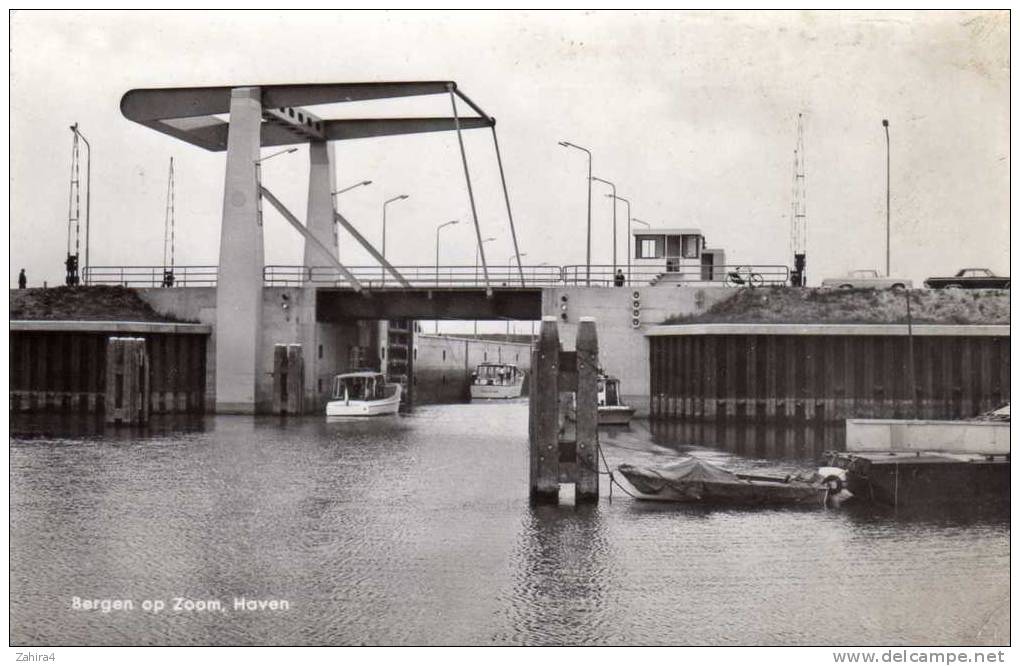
[(672, 231)]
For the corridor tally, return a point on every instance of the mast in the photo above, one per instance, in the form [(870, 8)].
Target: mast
[(169, 230), (74, 213), (798, 213)]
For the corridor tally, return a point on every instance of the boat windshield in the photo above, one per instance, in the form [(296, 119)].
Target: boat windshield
[(358, 388), (612, 392), (496, 375)]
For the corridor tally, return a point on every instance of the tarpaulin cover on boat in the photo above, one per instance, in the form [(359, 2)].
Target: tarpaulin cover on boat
[(694, 480), (690, 470)]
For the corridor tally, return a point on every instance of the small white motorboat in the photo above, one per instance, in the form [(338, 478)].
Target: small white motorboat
[(363, 394), (496, 381), (611, 410)]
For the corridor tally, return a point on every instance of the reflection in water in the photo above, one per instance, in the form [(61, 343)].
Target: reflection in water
[(562, 579), (805, 441), (417, 530)]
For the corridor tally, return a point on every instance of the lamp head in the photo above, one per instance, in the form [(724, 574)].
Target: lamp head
[(366, 182), (885, 123)]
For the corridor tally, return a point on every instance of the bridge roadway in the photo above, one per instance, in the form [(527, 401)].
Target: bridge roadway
[(339, 304)]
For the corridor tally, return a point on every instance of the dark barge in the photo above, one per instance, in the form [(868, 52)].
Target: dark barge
[(924, 478)]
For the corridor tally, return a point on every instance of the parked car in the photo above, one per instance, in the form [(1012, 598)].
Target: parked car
[(867, 279), (969, 278)]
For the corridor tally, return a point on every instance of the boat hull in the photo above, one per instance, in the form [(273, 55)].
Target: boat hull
[(615, 415), (390, 405), (496, 392), (736, 491)]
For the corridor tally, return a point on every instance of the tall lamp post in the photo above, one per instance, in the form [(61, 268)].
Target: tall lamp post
[(510, 266), (885, 124), (642, 222), (258, 176), (88, 194), (587, 262), (613, 195), (399, 197), (438, 229), (351, 187), (626, 201), (336, 232), (477, 250)]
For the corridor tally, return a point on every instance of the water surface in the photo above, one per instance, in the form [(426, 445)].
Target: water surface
[(417, 530)]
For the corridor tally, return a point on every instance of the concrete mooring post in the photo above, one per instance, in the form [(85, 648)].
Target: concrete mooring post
[(563, 423), (127, 381), (288, 379)]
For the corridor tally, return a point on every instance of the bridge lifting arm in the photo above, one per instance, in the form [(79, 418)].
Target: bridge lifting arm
[(296, 223), (371, 250)]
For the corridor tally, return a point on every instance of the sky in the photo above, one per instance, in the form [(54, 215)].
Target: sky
[(692, 115)]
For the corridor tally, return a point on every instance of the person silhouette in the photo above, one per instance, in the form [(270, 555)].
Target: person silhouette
[(619, 279), (22, 279)]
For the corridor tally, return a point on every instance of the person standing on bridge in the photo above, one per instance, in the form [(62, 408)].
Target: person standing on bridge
[(22, 279), (619, 279)]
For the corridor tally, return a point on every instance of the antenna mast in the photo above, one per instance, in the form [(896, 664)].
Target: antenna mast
[(798, 213), (73, 213), (169, 230)]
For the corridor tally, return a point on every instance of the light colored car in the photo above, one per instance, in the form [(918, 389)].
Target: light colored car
[(867, 279)]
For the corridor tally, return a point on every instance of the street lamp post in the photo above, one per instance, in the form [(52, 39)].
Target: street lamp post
[(351, 187), (438, 229), (510, 267), (885, 124), (336, 232), (613, 195), (258, 176), (477, 250), (626, 201), (646, 225), (399, 197), (567, 144), (88, 194)]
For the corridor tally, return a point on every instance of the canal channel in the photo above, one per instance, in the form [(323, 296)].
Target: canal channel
[(416, 529)]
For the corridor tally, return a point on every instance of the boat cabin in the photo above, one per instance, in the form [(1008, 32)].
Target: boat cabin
[(497, 374), (609, 391), (678, 250), (359, 386)]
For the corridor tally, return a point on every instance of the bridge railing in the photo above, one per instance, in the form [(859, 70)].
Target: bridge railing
[(374, 277), (151, 276), (735, 275)]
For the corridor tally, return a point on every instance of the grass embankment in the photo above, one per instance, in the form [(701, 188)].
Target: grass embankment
[(99, 303), (788, 305)]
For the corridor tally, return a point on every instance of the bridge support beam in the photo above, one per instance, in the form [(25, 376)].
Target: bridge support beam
[(238, 333), (321, 225)]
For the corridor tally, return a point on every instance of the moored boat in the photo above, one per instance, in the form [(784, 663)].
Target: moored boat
[(363, 394), (611, 410), (496, 381), (695, 480)]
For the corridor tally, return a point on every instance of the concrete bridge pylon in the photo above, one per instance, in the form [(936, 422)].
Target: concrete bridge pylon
[(242, 258)]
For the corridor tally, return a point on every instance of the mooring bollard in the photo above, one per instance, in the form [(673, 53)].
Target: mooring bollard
[(563, 410), (288, 379), (127, 381), (587, 412), (545, 484)]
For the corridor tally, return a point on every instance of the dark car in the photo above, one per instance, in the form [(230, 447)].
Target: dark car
[(969, 278)]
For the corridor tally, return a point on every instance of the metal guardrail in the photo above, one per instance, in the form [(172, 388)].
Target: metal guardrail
[(730, 275), (152, 276), (375, 277), (417, 276)]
